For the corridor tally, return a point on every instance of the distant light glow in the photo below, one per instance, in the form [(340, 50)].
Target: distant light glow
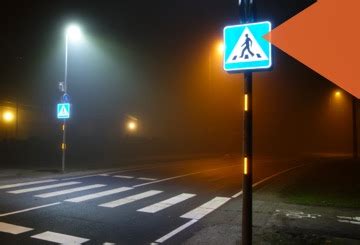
[(338, 94), (73, 33), (132, 126), (8, 116), (220, 48)]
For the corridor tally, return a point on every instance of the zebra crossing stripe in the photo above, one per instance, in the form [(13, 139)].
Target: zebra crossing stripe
[(13, 229), (147, 179), (129, 199), (206, 208), (123, 176), (166, 203), (26, 183), (39, 188), (60, 238), (72, 190), (98, 194)]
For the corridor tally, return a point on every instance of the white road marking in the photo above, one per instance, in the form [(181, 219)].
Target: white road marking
[(268, 178), (13, 229), (44, 187), (148, 179), (166, 203), (72, 190), (60, 238), (26, 183), (123, 176), (298, 214), (176, 231), (185, 175), (129, 199), (29, 209), (206, 208), (350, 220), (103, 174), (237, 194), (98, 194)]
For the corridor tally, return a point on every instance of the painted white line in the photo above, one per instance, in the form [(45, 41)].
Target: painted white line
[(103, 174), (185, 175), (349, 222), (176, 231), (63, 192), (277, 174), (98, 194), (13, 229), (60, 238), (123, 176), (26, 183), (81, 177), (147, 179), (268, 178), (166, 203), (237, 194), (29, 209), (206, 208), (45, 187), (129, 199)]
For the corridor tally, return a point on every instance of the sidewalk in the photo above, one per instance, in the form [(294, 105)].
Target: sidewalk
[(286, 212)]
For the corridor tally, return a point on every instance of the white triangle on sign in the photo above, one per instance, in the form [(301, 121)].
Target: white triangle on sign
[(63, 112), (246, 50)]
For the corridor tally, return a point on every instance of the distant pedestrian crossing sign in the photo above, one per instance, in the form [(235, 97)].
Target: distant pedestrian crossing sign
[(245, 47), (63, 110)]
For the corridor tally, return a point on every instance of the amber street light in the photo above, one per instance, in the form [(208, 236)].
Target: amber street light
[(8, 116)]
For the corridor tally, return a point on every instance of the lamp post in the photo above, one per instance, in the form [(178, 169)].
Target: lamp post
[(73, 33)]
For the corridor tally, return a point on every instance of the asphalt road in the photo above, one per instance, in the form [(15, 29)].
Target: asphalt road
[(156, 203)]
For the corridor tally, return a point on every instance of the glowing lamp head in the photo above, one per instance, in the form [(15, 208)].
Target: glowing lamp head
[(73, 33), (337, 94), (131, 126), (8, 116)]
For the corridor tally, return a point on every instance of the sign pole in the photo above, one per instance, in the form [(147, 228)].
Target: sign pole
[(63, 145), (247, 15), (248, 160)]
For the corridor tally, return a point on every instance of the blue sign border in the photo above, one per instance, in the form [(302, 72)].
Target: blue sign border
[(227, 51)]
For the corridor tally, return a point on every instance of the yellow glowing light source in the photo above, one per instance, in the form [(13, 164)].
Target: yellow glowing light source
[(245, 165), (337, 94), (132, 126), (220, 48), (8, 116)]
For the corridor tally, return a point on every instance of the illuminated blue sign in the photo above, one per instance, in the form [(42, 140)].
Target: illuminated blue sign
[(245, 47), (63, 110)]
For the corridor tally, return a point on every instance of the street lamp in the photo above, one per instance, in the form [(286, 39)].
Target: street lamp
[(337, 94), (72, 34), (132, 126), (8, 116)]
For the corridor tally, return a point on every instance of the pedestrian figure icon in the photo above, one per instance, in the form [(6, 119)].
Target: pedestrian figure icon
[(248, 43), (246, 48)]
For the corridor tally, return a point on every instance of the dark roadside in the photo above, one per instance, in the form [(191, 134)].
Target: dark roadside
[(315, 204)]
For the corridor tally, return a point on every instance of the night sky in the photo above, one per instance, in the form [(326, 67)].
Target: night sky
[(150, 59)]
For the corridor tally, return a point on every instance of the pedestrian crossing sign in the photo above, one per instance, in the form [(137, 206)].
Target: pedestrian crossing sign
[(63, 110), (245, 47)]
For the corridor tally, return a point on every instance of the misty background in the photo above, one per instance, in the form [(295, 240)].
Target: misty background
[(157, 62)]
